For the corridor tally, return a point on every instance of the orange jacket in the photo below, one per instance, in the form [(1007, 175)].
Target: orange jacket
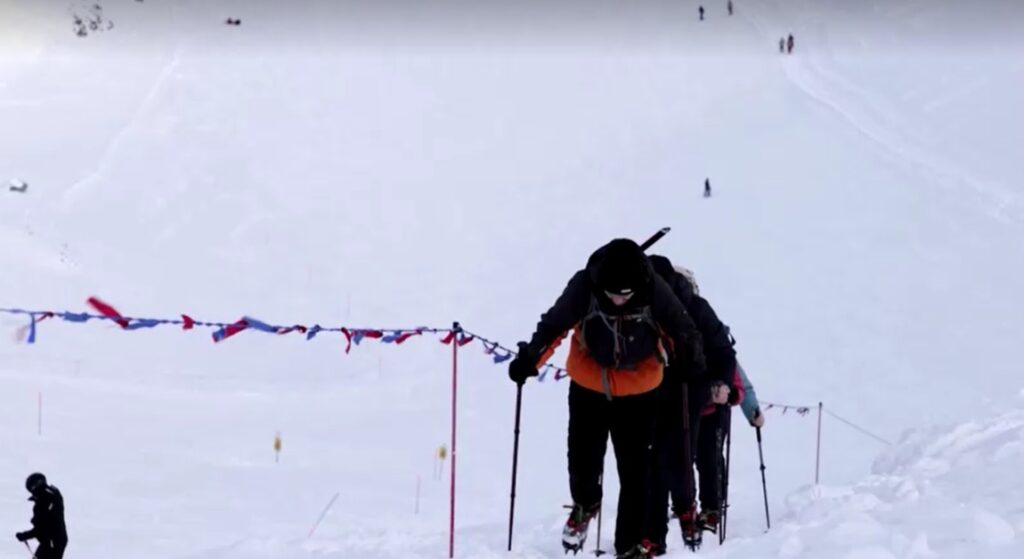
[(585, 371)]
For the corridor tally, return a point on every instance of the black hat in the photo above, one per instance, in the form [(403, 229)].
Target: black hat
[(35, 482), (622, 268)]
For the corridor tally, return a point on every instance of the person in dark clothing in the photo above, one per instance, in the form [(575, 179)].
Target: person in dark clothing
[(47, 519), (624, 322), (707, 188), (728, 5), (671, 463), (714, 428), (701, 12), (789, 44)]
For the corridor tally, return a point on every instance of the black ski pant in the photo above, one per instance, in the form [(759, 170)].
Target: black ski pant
[(630, 422), (670, 461), (710, 458), (49, 549)]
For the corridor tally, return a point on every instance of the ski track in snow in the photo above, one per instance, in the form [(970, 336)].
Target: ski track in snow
[(79, 187), (808, 70)]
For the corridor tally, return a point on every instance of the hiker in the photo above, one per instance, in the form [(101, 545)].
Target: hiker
[(624, 322), (673, 471), (47, 519)]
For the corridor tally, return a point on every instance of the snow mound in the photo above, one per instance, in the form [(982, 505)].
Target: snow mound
[(939, 492)]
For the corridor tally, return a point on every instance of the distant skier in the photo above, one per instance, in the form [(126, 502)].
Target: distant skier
[(671, 464), (621, 317), (789, 44), (47, 519), (18, 186), (707, 188), (700, 10), (729, 6), (782, 45)]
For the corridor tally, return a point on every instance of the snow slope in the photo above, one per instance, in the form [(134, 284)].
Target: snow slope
[(398, 167)]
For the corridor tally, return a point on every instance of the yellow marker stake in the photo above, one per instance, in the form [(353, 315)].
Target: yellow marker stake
[(277, 447)]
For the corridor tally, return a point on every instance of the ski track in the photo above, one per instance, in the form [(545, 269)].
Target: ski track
[(877, 123), (106, 160)]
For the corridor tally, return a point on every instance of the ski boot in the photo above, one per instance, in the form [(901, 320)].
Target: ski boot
[(643, 550), (709, 520), (574, 534), (692, 536)]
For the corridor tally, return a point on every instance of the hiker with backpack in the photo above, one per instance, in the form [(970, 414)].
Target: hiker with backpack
[(624, 322), (678, 436)]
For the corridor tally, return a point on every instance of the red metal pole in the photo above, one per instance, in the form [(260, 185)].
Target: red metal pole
[(455, 379), (817, 460)]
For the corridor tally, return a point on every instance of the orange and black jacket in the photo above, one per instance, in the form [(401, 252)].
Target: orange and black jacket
[(619, 351)]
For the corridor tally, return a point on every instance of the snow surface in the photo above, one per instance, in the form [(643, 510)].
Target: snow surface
[(398, 166)]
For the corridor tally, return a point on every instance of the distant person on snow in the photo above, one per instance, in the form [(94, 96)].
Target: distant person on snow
[(707, 188), (701, 12), (623, 320), (669, 476), (782, 45), (729, 7), (789, 44), (47, 519)]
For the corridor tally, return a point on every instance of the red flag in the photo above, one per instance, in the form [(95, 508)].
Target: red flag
[(406, 336), (108, 311), (189, 323), (230, 330), (348, 339)]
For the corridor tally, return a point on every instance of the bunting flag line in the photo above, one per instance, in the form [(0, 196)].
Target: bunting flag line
[(800, 410), (28, 333), (353, 336)]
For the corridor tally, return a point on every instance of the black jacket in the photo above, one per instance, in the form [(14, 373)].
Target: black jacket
[(48, 517), (619, 337), (718, 343)]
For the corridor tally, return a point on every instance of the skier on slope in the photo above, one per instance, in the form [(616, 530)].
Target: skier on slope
[(673, 473), (624, 320), (47, 519)]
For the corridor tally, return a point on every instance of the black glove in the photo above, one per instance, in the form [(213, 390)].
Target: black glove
[(523, 366), (22, 536)]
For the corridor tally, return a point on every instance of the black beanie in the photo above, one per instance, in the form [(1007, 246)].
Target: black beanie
[(622, 268)]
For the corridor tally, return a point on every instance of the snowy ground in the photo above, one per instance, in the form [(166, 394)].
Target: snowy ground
[(400, 167)]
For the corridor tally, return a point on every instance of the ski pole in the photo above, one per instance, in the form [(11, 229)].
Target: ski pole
[(515, 457), (725, 489), (690, 488), (764, 484), (30, 552)]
